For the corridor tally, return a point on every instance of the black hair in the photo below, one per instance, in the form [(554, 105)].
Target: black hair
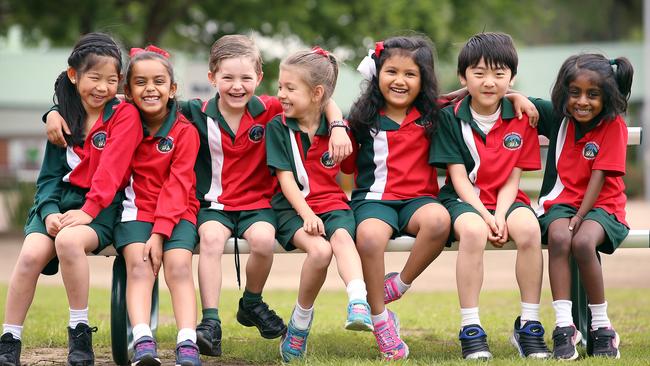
[(364, 111), (496, 49), (615, 82), (148, 55), (84, 56)]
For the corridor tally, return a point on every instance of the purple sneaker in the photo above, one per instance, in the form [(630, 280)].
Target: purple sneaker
[(390, 344), (187, 354), (145, 353)]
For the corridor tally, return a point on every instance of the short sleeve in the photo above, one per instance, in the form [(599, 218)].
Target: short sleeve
[(611, 155), (445, 148), (277, 154)]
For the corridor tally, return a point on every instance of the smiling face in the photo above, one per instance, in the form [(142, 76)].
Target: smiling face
[(150, 87), (585, 97), (297, 98), (487, 85), (98, 84), (235, 80), (399, 82)]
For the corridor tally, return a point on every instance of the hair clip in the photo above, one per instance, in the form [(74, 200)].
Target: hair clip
[(612, 61), (379, 47), (320, 51), (150, 48)]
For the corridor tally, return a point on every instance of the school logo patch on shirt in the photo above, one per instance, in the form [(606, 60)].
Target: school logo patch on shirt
[(99, 140), (512, 141), (165, 145), (256, 133), (326, 160), (590, 151)]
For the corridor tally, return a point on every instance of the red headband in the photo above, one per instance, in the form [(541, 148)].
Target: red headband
[(320, 51), (149, 48)]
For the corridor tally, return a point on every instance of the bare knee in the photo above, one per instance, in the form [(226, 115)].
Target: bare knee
[(320, 255), (472, 238), (370, 242), (436, 225), (559, 243), (139, 270), (67, 244), (261, 243), (529, 238), (177, 271), (30, 263), (212, 243), (583, 247)]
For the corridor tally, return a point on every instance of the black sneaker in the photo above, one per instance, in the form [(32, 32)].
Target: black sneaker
[(473, 343), (208, 337), (565, 340), (9, 350), (529, 339), (80, 345), (267, 322), (604, 343)]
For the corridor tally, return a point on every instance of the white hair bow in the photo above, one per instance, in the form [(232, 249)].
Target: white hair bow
[(367, 66)]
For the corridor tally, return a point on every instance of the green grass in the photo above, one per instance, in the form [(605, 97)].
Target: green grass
[(429, 326)]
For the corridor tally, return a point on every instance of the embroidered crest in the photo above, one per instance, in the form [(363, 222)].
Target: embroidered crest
[(99, 140), (256, 133), (590, 151), (165, 145), (326, 160), (512, 141)]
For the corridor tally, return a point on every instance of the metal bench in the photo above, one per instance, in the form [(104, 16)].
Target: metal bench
[(122, 338)]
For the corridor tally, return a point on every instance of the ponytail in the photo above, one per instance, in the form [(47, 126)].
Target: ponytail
[(70, 108), (623, 75)]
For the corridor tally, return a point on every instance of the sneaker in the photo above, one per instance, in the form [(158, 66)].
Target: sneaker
[(9, 350), (293, 345), (565, 340), (391, 290), (529, 339), (359, 316), (604, 343), (80, 345), (208, 337), (144, 352), (391, 346), (187, 354), (473, 343), (267, 322)]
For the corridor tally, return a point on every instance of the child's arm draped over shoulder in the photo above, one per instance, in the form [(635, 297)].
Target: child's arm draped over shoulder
[(340, 145)]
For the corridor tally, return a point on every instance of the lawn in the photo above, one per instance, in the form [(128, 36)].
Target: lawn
[(429, 326)]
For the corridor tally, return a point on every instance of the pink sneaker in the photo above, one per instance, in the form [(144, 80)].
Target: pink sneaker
[(390, 344), (391, 291)]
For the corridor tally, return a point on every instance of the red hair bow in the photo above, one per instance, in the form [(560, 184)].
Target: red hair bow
[(379, 46), (320, 51), (150, 48)]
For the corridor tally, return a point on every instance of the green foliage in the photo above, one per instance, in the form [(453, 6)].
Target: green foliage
[(429, 325), (17, 201)]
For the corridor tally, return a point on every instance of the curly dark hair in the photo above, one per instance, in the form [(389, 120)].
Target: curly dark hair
[(616, 83), (365, 110)]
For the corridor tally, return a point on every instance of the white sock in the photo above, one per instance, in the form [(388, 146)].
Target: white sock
[(563, 315), (529, 312), (382, 317), (15, 330), (356, 290), (301, 317), (141, 330), (186, 334), (401, 286), (599, 317), (78, 316), (469, 316)]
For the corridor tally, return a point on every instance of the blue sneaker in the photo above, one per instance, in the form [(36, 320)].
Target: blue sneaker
[(187, 354), (529, 339), (473, 343), (359, 316), (293, 345), (145, 353)]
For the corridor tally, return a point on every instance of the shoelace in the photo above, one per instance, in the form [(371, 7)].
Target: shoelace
[(359, 309), (561, 338), (387, 337), (390, 290), (84, 342), (187, 351), (296, 342), (145, 346)]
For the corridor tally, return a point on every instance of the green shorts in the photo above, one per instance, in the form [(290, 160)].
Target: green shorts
[(615, 231), (184, 235), (396, 214), (289, 223), (457, 208), (236, 221)]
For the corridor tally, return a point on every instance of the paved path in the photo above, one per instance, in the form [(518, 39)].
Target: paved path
[(628, 268)]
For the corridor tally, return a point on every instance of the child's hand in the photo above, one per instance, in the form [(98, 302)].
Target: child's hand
[(74, 218), (574, 224), (55, 127), (493, 230), (53, 223), (153, 250), (523, 105), (455, 96), (502, 230), (313, 225), (340, 146)]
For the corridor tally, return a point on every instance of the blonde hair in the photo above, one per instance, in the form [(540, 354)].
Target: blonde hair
[(319, 68), (233, 46)]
